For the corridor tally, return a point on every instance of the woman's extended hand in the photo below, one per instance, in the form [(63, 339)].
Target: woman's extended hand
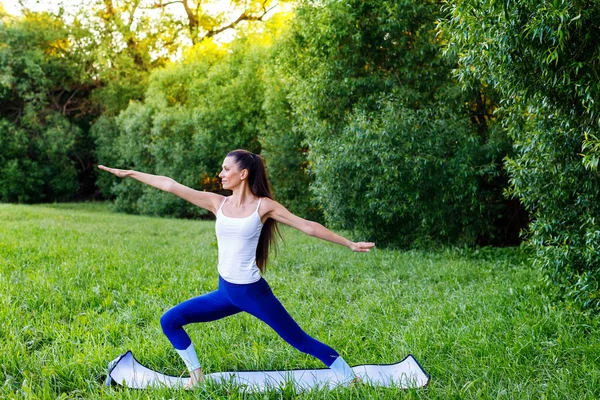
[(121, 173), (362, 246)]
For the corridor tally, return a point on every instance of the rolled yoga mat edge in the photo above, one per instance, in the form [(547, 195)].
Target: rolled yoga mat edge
[(127, 371)]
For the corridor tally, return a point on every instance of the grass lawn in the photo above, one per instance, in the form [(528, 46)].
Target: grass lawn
[(80, 285)]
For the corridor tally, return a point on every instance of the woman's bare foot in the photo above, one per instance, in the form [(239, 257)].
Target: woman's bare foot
[(196, 377)]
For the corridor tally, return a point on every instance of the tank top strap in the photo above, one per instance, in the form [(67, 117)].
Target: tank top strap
[(257, 207), (222, 202)]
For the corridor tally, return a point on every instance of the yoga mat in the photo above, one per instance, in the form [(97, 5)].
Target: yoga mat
[(125, 370)]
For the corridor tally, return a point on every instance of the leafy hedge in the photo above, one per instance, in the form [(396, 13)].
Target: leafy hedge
[(543, 59), (38, 134), (396, 154)]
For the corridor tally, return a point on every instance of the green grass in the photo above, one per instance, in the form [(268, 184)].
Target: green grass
[(80, 285)]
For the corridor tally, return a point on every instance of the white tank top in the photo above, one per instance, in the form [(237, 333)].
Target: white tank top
[(237, 240)]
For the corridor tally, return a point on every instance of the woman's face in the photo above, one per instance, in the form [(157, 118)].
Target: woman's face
[(231, 175)]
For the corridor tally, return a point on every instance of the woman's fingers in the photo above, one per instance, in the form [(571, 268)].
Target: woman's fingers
[(363, 246), (114, 171), (111, 170)]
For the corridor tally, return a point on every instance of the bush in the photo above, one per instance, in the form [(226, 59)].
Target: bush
[(405, 177), (282, 139), (548, 175), (39, 132), (34, 161), (395, 154)]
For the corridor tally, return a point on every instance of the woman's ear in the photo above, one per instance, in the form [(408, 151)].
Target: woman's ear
[(244, 174)]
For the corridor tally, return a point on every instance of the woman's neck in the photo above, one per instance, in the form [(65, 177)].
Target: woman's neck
[(242, 196)]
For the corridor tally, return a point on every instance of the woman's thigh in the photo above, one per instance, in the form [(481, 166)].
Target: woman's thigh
[(262, 303), (208, 307)]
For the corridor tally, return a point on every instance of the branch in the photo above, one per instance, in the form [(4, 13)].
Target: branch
[(75, 155), (163, 5), (267, 11), (69, 101), (55, 99), (9, 109), (193, 18), (132, 13), (242, 17), (172, 39), (110, 11)]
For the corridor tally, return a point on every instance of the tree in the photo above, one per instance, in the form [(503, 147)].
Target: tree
[(43, 97), (395, 154), (543, 59), (193, 113), (202, 25)]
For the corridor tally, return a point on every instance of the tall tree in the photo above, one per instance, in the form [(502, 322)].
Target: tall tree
[(543, 59), (192, 114), (202, 24)]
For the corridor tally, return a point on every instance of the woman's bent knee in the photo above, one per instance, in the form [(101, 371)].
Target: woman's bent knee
[(168, 321)]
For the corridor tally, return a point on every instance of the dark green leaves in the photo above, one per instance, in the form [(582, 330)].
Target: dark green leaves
[(543, 58)]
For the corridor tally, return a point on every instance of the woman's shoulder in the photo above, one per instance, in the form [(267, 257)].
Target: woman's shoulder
[(269, 202), (269, 206)]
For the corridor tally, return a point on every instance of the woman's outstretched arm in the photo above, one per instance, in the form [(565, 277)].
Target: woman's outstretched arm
[(280, 214), (206, 200)]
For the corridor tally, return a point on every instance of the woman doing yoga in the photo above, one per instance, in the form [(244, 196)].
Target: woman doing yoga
[(245, 228)]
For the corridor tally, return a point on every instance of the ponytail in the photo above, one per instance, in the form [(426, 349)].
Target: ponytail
[(260, 187)]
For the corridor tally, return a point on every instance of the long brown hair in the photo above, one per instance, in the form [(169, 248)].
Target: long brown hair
[(260, 187)]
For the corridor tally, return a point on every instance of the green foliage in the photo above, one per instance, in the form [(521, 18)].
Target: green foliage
[(192, 116), (395, 154), (39, 136), (407, 176), (543, 58), (549, 177), (104, 132), (283, 139), (284, 149), (348, 53), (125, 45)]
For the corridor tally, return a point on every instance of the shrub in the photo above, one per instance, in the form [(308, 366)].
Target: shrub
[(395, 153), (39, 130)]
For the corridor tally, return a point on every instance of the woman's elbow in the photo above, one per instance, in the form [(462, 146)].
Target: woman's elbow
[(169, 185)]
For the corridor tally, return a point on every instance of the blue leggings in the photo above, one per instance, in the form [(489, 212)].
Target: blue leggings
[(256, 299)]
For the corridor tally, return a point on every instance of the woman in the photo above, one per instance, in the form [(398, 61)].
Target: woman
[(245, 228)]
